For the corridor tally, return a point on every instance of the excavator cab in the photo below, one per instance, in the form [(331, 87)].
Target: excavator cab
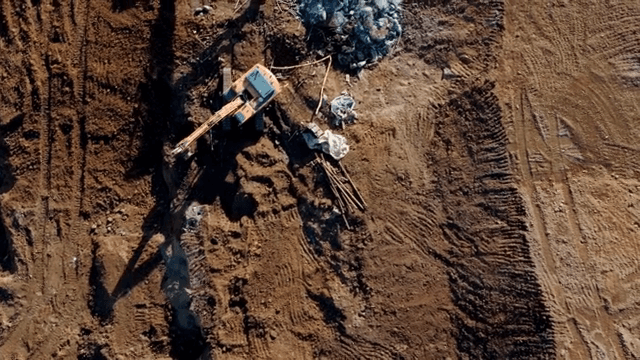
[(256, 87)]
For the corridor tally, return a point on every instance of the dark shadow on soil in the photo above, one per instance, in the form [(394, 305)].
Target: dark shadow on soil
[(154, 117), (333, 315), (186, 339), (122, 5), (91, 351), (157, 111), (163, 120), (219, 180), (7, 253), (7, 180), (100, 301)]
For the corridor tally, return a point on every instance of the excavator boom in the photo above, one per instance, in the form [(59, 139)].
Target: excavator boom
[(226, 110)]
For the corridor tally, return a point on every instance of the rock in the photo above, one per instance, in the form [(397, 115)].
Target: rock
[(273, 334), (465, 59), (448, 74)]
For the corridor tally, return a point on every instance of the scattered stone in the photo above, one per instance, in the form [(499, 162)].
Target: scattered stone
[(193, 215), (465, 59)]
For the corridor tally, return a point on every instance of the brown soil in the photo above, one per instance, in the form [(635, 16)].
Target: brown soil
[(503, 201)]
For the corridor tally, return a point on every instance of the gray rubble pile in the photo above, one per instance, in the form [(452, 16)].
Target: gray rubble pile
[(365, 29)]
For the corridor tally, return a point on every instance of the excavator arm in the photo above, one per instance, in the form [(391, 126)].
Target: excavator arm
[(226, 110)]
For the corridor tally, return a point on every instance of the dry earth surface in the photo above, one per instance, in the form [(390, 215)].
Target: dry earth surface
[(503, 194)]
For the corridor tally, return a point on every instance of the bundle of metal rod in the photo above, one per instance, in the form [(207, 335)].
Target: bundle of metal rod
[(334, 190), (343, 187)]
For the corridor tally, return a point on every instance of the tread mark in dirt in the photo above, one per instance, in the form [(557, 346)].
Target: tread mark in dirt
[(82, 113), (501, 313), (47, 153)]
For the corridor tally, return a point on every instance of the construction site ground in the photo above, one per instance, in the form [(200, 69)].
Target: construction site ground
[(496, 148)]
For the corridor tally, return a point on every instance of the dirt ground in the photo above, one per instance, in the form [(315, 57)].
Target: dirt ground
[(503, 193)]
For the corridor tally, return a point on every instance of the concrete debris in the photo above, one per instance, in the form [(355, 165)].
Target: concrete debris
[(326, 141), (342, 107), (365, 29), (193, 215)]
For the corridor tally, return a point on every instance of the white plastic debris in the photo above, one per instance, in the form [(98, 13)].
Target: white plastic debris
[(330, 143), (342, 107)]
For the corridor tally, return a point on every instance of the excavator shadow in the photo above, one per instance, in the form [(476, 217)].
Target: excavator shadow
[(162, 119)]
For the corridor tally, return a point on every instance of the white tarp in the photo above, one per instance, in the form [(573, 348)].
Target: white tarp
[(330, 143)]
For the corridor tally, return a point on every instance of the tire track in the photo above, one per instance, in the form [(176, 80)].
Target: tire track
[(48, 137), (64, 141)]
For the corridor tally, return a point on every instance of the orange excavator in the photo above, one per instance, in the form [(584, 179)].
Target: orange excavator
[(246, 96)]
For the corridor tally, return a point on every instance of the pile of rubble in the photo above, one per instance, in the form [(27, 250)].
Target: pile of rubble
[(366, 29)]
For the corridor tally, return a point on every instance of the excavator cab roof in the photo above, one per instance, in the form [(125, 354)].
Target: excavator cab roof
[(259, 83)]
